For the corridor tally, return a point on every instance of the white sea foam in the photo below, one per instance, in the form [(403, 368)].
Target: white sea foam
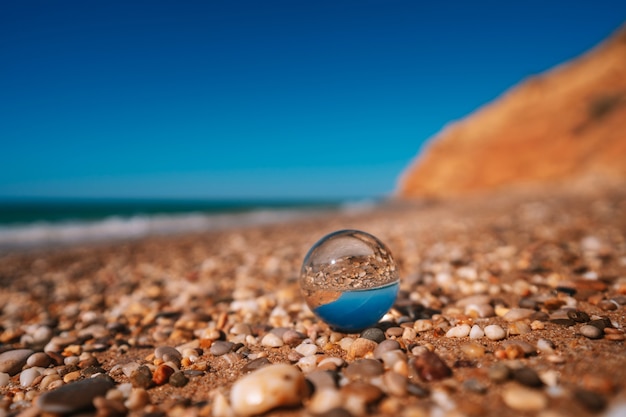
[(43, 234)]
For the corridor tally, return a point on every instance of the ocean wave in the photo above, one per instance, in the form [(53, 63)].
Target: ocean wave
[(45, 234)]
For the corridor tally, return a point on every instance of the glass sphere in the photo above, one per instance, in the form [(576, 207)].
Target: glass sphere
[(349, 280)]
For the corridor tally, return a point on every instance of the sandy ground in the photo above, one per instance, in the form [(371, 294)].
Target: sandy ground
[(549, 250)]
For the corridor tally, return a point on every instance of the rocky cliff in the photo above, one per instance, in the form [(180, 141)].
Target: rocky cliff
[(566, 124)]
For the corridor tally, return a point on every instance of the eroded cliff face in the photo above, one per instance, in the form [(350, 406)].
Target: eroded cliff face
[(566, 124)]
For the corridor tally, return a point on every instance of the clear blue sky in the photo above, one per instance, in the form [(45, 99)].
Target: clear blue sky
[(249, 99)]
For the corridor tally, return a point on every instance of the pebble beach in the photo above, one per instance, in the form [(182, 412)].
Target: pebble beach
[(509, 304)]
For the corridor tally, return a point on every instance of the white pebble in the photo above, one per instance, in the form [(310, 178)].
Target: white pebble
[(27, 377), (271, 340), (306, 349), (476, 332), (307, 364), (346, 342), (325, 400), (495, 332), (461, 330), (267, 388)]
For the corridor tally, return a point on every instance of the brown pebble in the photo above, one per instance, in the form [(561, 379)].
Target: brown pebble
[(109, 408), (578, 316), (361, 347), (590, 400), (527, 376), (364, 369), (368, 392), (430, 367), (608, 305), (178, 379), (598, 383), (162, 374), (563, 322), (499, 372), (141, 377)]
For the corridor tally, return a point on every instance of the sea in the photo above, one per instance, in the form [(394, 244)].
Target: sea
[(35, 223)]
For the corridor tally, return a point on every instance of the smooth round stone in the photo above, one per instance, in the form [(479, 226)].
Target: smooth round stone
[(306, 349), (430, 367), (527, 376), (517, 314), (385, 346), (27, 377), (268, 388), (364, 369), (39, 359), (473, 350), (494, 332), (461, 330), (293, 338), (168, 353), (221, 347), (349, 280), (75, 396), (476, 332), (499, 372), (12, 361), (591, 332), (255, 364), (373, 333), (271, 340), (524, 399), (324, 400), (395, 383), (480, 310), (361, 347)]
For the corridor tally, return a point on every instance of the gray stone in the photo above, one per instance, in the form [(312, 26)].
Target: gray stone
[(373, 333), (591, 332), (12, 361), (75, 396)]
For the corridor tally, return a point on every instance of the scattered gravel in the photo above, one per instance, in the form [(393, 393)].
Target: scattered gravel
[(508, 305)]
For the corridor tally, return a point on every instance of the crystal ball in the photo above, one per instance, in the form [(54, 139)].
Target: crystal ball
[(349, 280)]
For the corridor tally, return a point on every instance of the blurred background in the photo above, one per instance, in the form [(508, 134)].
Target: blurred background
[(200, 106)]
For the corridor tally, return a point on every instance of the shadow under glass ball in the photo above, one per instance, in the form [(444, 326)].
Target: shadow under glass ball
[(349, 280)]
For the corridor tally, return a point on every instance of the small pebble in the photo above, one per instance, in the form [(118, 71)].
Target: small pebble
[(494, 332), (563, 322), (306, 349), (473, 350), (373, 333), (293, 338), (178, 379), (524, 399), (578, 316), (12, 361), (39, 359), (137, 399), (461, 330), (361, 347), (220, 347), (385, 346), (364, 369), (268, 388), (75, 396), (474, 385), (590, 400), (27, 376), (545, 346), (591, 332), (141, 377), (527, 376), (430, 367), (324, 401), (395, 383), (4, 379), (168, 353), (255, 364), (517, 314), (271, 340), (499, 372), (476, 332)]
